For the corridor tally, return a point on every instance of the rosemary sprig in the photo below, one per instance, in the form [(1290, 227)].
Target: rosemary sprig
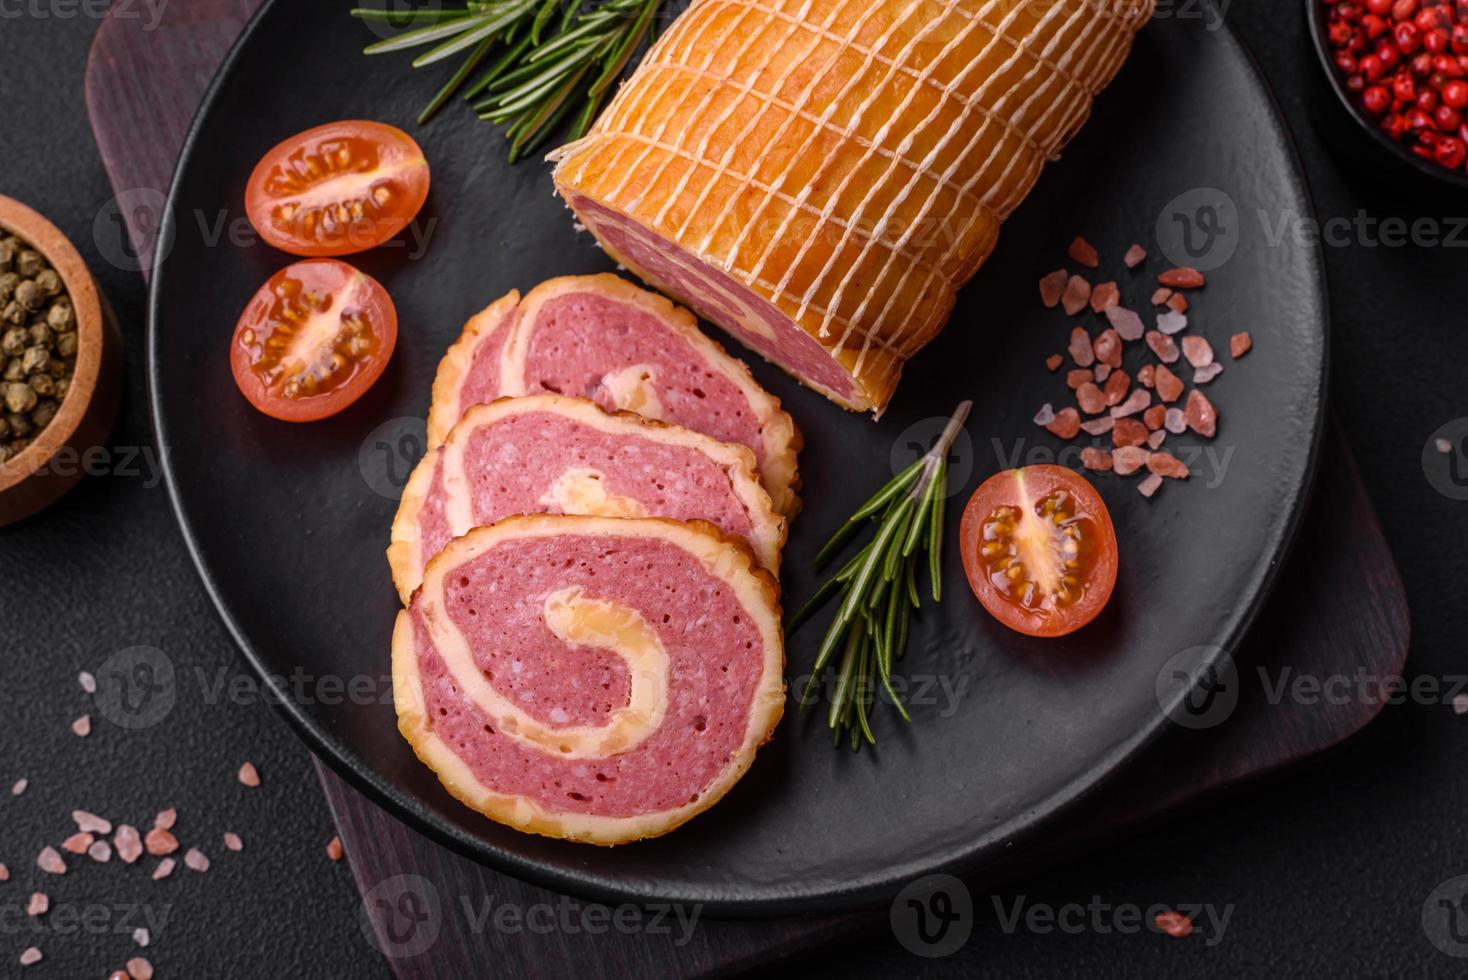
[(878, 589), (546, 65)]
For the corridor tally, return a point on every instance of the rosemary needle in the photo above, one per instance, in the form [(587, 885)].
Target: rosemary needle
[(878, 589), (545, 65)]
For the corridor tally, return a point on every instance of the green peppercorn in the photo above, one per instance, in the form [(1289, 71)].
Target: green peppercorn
[(14, 371), (66, 344), (49, 281), (43, 413), (29, 295), (19, 397), (8, 282), (4, 427), (19, 424), (28, 263), (7, 255), (42, 384), (13, 315), (61, 317), (63, 385), (14, 341), (40, 334), (35, 359), (57, 367)]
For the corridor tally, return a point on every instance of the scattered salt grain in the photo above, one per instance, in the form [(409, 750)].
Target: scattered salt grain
[(40, 904), (1098, 427), (1175, 924), (4, 873), (1156, 439), (1207, 373), (195, 860), (87, 681), (1135, 256), (166, 818), (19, 787), (1125, 322), (1045, 415), (1052, 287), (1084, 253), (1240, 344), (142, 938), (1136, 402), (50, 862), (128, 844), (1444, 446), (1182, 278), (1150, 485), (1172, 322), (1163, 346), (30, 957), (233, 842), (82, 727), (334, 849), (249, 776), (1077, 295), (160, 842), (101, 852), (139, 969), (91, 822), (78, 842), (1080, 348), (1460, 704), (1198, 351), (164, 869)]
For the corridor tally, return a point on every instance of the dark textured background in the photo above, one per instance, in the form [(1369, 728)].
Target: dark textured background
[(1326, 867)]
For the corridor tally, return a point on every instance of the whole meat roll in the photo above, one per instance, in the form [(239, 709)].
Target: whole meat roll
[(598, 679), (557, 455), (818, 177)]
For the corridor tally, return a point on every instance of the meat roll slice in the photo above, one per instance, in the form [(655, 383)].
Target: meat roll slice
[(602, 338), (557, 455), (818, 177), (592, 678)]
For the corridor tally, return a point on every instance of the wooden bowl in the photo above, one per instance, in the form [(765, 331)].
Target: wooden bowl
[(29, 481)]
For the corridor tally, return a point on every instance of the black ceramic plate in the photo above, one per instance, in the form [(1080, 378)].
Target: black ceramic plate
[(288, 523)]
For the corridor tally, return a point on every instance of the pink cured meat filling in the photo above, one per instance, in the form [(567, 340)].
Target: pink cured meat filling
[(705, 288), (512, 464), (715, 657)]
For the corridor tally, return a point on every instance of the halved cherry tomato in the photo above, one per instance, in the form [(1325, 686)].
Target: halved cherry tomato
[(337, 189), (313, 340), (1039, 549)]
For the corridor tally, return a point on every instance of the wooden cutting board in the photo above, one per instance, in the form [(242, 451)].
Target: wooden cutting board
[(1346, 611)]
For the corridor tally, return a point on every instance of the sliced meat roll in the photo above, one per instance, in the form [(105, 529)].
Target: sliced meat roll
[(818, 177), (591, 678), (556, 455), (602, 338)]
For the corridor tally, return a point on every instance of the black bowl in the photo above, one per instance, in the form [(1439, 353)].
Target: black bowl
[(1377, 143)]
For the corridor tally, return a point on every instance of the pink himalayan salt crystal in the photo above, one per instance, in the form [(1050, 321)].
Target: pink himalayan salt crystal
[(1125, 322), (142, 937), (30, 957), (4, 873), (82, 727), (1207, 373), (19, 787), (249, 776), (195, 860), (40, 904), (1150, 485), (1460, 704), (101, 852), (233, 842), (1172, 322), (87, 681), (129, 845), (50, 862), (334, 849), (139, 969), (78, 842), (164, 869), (165, 819), (91, 822)]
